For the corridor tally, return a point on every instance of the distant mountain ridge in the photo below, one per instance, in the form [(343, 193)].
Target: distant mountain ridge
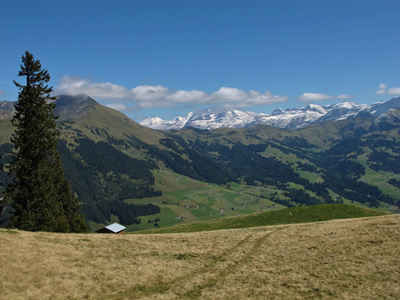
[(289, 118), (73, 107), (67, 108)]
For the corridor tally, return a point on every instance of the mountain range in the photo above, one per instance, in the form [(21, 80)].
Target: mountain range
[(289, 119), (124, 172)]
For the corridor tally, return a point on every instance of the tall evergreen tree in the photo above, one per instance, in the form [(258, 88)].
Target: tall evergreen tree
[(40, 194)]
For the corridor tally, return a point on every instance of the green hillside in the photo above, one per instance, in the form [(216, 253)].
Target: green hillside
[(84, 117), (6, 129), (144, 179), (300, 214)]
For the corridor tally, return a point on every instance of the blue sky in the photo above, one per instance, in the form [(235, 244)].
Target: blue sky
[(169, 57)]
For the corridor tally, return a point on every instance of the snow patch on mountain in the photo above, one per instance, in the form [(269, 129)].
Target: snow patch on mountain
[(293, 118)]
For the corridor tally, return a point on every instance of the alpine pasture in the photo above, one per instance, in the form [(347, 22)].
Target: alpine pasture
[(337, 259)]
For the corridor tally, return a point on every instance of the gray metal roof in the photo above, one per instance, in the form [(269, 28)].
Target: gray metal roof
[(115, 227)]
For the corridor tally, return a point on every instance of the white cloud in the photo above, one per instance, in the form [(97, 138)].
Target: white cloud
[(381, 92), (77, 85), (383, 89), (382, 86), (313, 97), (256, 98), (306, 97), (394, 91), (120, 107), (151, 96), (149, 92), (187, 96), (237, 98), (343, 97), (228, 94)]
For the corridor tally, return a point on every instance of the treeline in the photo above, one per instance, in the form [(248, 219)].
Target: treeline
[(128, 214), (307, 167), (103, 178), (342, 172), (245, 162), (302, 197), (385, 155), (104, 158), (395, 182), (383, 161), (339, 171), (5, 158), (356, 190), (297, 142), (188, 161)]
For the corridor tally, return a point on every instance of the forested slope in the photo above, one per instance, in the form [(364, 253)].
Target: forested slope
[(111, 161)]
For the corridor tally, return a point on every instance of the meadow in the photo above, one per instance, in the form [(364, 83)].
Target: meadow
[(186, 201), (337, 259)]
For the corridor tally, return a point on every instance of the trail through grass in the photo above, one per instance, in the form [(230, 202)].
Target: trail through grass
[(338, 259)]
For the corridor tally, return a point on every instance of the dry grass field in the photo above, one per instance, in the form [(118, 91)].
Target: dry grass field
[(340, 259)]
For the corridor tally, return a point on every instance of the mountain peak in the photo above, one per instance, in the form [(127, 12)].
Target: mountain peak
[(315, 107), (381, 107), (278, 111), (289, 118), (71, 107)]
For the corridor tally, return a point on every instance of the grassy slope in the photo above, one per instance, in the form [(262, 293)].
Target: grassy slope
[(340, 259), (186, 201), (300, 214), (6, 129), (118, 125), (99, 119), (381, 178), (322, 135), (98, 116)]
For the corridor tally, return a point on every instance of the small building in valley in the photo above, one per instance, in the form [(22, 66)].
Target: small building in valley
[(112, 228)]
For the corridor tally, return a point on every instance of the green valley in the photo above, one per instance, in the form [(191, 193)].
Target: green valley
[(145, 179)]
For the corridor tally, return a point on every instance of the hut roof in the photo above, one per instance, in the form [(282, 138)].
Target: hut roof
[(115, 228)]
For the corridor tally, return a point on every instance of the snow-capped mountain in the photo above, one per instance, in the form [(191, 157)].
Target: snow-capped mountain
[(288, 118)]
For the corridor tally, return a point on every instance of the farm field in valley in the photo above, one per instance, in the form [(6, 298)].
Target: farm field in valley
[(189, 201)]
